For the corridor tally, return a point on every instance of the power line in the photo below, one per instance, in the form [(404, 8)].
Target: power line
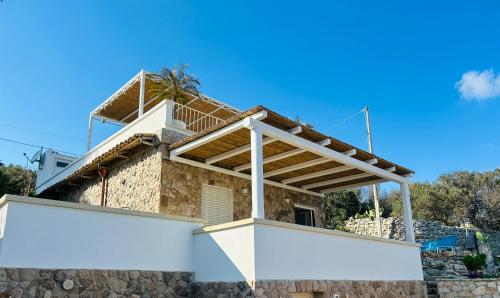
[(35, 146), (42, 132), (21, 143), (345, 120)]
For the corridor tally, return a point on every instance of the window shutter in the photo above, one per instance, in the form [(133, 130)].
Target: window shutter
[(216, 204)]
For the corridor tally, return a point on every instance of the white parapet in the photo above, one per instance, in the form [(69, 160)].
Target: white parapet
[(45, 234), (257, 249), (151, 122)]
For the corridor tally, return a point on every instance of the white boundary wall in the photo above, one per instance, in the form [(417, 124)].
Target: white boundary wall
[(59, 235), (286, 251), (282, 250), (226, 255)]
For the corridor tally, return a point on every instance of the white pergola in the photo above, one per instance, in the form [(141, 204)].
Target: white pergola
[(350, 170), (132, 100)]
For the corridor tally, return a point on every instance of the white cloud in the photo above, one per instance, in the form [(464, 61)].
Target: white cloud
[(475, 85)]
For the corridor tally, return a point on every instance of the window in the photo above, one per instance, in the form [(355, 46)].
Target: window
[(216, 204), (304, 216), (61, 164)]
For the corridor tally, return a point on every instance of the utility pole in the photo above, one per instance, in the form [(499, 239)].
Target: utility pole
[(26, 172), (374, 186)]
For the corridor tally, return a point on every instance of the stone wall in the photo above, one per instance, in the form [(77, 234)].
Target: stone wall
[(394, 228), (484, 288), (425, 230), (181, 194), (93, 283), (132, 184), (150, 182), (125, 283), (222, 289), (328, 288)]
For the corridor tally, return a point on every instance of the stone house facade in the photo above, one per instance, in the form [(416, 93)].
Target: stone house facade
[(148, 181)]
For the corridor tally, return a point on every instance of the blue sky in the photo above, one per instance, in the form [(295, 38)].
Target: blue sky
[(322, 61)]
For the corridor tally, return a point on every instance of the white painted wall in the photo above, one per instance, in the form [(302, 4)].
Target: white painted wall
[(37, 233), (151, 122), (3, 218), (48, 165), (225, 255), (51, 234), (287, 253), (256, 249)]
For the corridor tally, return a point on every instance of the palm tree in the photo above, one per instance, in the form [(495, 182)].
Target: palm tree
[(175, 84)]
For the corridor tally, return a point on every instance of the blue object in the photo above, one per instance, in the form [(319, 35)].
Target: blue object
[(436, 245)]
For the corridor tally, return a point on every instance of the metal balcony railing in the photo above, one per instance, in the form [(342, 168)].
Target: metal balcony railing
[(187, 118)]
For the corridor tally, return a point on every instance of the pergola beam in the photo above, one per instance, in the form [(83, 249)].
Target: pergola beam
[(246, 148), (239, 175), (328, 153), (324, 172), (147, 103), (282, 155), (216, 135), (342, 179), (106, 119), (355, 185), (298, 166), (303, 165)]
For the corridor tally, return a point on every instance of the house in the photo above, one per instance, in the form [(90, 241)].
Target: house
[(245, 185)]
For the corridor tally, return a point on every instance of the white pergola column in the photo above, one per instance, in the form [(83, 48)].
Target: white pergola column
[(257, 172), (405, 195), (89, 133), (141, 92), (170, 105)]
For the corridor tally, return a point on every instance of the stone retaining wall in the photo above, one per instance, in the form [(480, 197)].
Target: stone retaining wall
[(484, 288), (126, 283), (222, 289), (328, 288), (394, 228), (93, 283), (425, 230), (320, 288)]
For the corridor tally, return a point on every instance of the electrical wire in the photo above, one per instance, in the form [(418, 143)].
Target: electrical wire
[(345, 120), (42, 132), (35, 146)]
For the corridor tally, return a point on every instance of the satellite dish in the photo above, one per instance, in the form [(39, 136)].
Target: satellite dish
[(36, 156)]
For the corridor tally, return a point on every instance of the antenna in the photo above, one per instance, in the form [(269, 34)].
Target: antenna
[(374, 186), (36, 157)]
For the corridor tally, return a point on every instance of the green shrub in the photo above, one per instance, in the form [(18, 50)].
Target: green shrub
[(469, 262), (479, 261), (475, 263)]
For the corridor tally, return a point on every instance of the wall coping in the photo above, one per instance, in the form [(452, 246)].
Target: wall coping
[(62, 204), (285, 225)]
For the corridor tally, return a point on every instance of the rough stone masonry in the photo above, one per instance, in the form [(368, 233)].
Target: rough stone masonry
[(117, 283), (93, 283)]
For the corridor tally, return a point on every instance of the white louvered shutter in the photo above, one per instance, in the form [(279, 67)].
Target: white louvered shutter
[(216, 204)]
